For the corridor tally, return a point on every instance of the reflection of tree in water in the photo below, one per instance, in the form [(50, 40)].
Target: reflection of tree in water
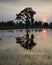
[(27, 16), (11, 31), (0, 39)]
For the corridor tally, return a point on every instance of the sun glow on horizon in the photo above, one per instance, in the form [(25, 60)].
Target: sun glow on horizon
[(44, 18)]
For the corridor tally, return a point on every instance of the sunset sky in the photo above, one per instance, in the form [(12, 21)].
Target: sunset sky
[(9, 9)]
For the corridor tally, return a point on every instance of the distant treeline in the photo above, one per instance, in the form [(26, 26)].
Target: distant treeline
[(20, 25)]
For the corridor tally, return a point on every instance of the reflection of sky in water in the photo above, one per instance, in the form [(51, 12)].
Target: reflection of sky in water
[(42, 38)]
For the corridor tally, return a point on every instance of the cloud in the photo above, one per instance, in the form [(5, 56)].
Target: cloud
[(22, 3), (8, 8), (19, 1), (10, 1)]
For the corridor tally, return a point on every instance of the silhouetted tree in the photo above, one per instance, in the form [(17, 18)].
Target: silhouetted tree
[(17, 24), (2, 24), (45, 25), (36, 24), (10, 23), (50, 24), (40, 23), (27, 16), (20, 24), (5, 24)]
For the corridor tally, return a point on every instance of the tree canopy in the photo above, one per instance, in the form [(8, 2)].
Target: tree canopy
[(26, 13)]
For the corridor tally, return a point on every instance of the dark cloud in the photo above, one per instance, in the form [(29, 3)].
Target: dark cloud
[(14, 1), (10, 1), (26, 2)]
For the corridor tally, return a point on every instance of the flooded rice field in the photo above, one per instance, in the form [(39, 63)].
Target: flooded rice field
[(12, 53)]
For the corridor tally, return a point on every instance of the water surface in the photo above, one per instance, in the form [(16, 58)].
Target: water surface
[(43, 38), (12, 53)]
